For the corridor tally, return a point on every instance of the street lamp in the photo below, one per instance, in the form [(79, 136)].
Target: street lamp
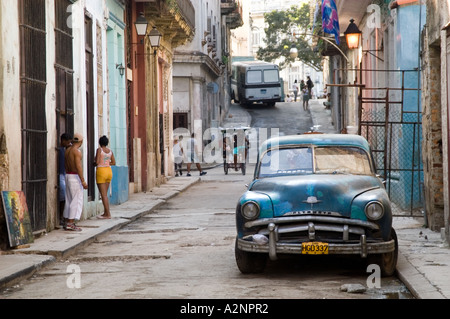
[(352, 35), (155, 38), (141, 25), (293, 52), (121, 69)]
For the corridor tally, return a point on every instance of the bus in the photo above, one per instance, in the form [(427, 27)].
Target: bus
[(255, 81)]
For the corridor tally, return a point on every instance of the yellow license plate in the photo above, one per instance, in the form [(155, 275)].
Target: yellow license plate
[(315, 248)]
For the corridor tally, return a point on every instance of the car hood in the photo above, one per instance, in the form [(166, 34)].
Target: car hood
[(324, 194)]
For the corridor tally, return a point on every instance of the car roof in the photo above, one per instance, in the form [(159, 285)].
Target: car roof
[(348, 140)]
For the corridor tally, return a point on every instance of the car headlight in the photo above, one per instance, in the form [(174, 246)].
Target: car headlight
[(250, 210), (374, 210)]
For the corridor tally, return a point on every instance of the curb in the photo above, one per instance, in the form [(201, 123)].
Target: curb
[(415, 281), (15, 275)]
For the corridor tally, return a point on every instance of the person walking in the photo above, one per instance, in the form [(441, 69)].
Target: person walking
[(104, 159), (178, 155), (295, 89), (192, 156), (65, 142), (310, 86), (75, 183)]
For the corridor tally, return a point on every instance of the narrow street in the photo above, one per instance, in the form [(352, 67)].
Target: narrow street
[(185, 249), (289, 118)]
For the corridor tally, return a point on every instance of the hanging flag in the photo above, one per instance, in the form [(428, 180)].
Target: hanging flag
[(330, 20)]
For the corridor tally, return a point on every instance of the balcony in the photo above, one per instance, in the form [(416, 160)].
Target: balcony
[(349, 9), (175, 19), (232, 9)]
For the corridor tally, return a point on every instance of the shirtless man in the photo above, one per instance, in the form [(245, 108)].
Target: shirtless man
[(75, 184)]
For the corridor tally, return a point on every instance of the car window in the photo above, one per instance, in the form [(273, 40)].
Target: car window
[(289, 161), (342, 160)]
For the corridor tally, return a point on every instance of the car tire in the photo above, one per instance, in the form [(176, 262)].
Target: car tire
[(386, 261), (249, 263)]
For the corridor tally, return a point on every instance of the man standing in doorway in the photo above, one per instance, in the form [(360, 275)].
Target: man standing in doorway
[(65, 143), (75, 183)]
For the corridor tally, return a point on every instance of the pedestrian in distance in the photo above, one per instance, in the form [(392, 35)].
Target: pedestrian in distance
[(295, 89), (310, 86), (178, 155), (75, 183), (305, 96), (302, 85), (192, 156), (65, 142), (104, 159)]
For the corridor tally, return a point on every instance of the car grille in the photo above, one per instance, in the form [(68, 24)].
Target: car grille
[(303, 228)]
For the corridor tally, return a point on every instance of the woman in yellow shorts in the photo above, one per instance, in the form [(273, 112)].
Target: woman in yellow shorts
[(104, 159)]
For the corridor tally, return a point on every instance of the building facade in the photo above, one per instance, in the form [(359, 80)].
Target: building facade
[(386, 90), (201, 69), (79, 67), (435, 99)]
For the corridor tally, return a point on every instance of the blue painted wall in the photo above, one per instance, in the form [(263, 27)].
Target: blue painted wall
[(407, 46), (117, 101)]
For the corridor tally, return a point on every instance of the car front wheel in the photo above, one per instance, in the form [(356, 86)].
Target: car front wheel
[(386, 261), (249, 263)]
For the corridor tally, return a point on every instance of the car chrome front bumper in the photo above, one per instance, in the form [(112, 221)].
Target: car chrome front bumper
[(273, 247)]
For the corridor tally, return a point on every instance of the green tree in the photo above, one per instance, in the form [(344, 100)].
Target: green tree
[(280, 38)]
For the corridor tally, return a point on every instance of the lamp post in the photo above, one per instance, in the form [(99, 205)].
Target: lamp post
[(121, 69), (141, 25), (352, 35), (155, 39)]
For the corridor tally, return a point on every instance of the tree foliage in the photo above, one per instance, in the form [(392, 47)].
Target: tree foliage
[(279, 37)]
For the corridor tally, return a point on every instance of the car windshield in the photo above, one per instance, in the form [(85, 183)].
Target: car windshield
[(288, 161), (342, 160), (328, 160)]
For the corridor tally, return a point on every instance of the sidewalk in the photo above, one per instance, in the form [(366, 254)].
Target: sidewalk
[(423, 259), (18, 264)]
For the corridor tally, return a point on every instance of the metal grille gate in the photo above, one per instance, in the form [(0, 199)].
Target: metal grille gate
[(33, 79), (390, 119)]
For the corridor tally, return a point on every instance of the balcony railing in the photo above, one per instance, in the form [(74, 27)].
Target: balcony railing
[(228, 6)]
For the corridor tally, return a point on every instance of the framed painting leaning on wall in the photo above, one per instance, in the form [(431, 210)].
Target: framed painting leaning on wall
[(17, 218)]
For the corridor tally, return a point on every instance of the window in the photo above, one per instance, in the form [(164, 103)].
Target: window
[(271, 76), (254, 76), (256, 37)]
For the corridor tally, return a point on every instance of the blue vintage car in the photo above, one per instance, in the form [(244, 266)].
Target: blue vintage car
[(315, 194)]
